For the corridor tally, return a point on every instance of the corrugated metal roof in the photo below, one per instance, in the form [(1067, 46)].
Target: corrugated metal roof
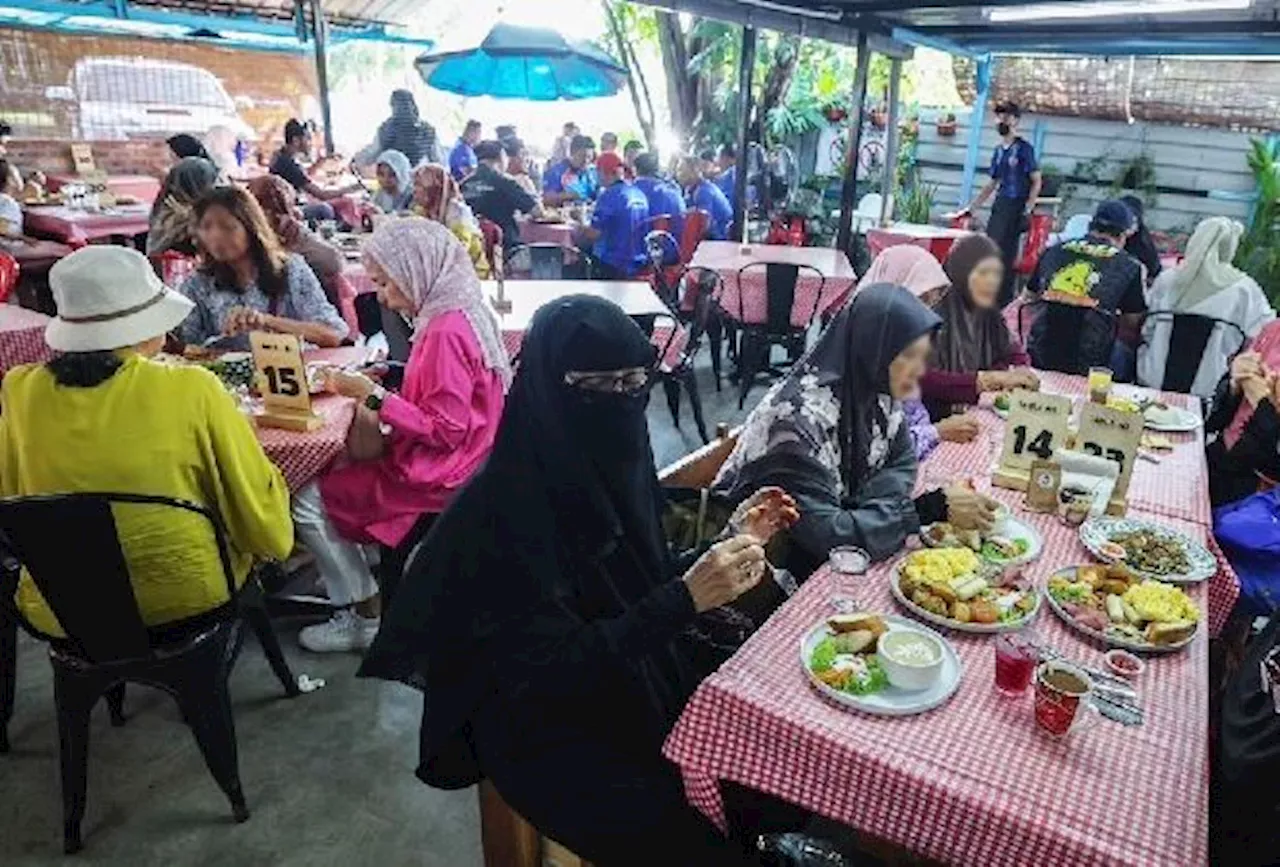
[(392, 13)]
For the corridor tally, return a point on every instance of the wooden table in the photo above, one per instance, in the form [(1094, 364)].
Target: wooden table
[(144, 188), (78, 227), (938, 240), (748, 303)]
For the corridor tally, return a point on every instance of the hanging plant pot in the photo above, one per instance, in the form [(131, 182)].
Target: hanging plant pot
[(946, 126), (836, 113)]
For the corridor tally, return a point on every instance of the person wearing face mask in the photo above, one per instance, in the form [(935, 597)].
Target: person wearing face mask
[(832, 435), (974, 351), (1015, 179), (545, 619)]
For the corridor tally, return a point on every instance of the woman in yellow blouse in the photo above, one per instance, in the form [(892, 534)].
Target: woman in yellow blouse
[(104, 416), (436, 196)]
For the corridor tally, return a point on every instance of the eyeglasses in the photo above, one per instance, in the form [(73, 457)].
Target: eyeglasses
[(632, 380)]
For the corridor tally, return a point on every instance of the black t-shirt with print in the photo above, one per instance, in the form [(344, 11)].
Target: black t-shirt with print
[(493, 195), (1090, 280)]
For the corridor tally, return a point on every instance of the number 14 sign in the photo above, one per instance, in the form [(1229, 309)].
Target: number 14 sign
[(1037, 425)]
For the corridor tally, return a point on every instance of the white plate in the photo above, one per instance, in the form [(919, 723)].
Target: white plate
[(1174, 419), (1095, 531), (947, 622), (1113, 640), (1014, 528), (890, 701)]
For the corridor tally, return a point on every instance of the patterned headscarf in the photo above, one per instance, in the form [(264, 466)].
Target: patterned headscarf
[(280, 203), (431, 266), (912, 268), (433, 189), (387, 201), (172, 215)]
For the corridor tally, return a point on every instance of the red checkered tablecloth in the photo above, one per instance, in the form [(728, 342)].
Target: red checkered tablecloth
[(810, 290), (533, 232), (973, 781), (22, 337), (303, 455)]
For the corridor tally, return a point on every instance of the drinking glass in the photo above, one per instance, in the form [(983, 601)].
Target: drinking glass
[(1100, 379), (1016, 659)]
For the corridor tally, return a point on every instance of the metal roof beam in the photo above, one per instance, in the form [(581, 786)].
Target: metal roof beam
[(1075, 31)]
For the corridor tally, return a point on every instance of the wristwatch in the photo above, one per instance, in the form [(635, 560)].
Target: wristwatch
[(375, 399)]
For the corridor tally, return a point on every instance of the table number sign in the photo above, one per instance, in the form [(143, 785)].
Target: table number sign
[(82, 158), (1112, 434), (281, 376), (1037, 424)]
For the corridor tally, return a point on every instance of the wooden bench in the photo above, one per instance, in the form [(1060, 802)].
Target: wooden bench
[(508, 840)]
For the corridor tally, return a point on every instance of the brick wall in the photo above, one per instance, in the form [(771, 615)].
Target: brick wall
[(265, 89)]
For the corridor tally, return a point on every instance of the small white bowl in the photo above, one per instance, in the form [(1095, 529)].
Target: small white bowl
[(1135, 664), (911, 673)]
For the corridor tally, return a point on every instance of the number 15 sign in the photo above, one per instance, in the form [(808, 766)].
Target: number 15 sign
[(282, 381), (1037, 425)]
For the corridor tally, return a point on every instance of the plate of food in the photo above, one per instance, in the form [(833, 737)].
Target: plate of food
[(1113, 605), (1008, 543), (1169, 419), (1148, 549), (880, 664), (955, 588)]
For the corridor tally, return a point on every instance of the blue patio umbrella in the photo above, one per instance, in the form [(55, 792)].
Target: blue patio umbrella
[(516, 62)]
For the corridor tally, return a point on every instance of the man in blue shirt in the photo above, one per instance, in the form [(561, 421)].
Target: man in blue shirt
[(618, 224), (1015, 179), (462, 159), (703, 195), (664, 197), (574, 178)]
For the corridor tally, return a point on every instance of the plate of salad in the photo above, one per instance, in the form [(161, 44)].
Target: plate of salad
[(841, 659)]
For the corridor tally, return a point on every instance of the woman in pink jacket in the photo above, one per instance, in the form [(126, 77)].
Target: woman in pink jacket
[(428, 439)]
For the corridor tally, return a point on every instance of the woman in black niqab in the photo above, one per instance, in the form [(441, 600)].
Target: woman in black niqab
[(543, 616)]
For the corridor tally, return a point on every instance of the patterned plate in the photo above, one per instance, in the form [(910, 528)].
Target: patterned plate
[(946, 622), (1112, 640), (1201, 564)]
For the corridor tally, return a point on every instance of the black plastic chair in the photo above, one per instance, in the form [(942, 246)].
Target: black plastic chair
[(758, 339), (1187, 341), (547, 262), (399, 333), (705, 287), (88, 588), (1064, 356)]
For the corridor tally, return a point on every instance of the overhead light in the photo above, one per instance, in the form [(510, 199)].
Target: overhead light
[(1045, 11)]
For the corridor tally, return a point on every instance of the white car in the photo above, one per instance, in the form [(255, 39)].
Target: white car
[(119, 98)]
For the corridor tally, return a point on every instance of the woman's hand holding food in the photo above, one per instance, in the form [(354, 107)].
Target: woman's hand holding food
[(726, 571), (242, 319), (1257, 388), (347, 384), (958, 428), (1026, 378), (1244, 366), (967, 509), (765, 513)]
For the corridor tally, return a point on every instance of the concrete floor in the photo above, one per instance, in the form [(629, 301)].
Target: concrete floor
[(328, 775)]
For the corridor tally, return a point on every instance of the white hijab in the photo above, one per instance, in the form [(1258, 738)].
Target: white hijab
[(1207, 268)]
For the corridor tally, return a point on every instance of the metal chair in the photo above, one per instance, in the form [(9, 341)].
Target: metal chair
[(1064, 355), (758, 338), (1188, 337), (87, 586), (702, 287), (548, 262)]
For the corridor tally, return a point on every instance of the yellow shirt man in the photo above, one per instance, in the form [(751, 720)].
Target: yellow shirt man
[(152, 429)]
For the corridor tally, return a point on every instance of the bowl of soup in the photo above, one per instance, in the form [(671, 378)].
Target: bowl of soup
[(910, 659)]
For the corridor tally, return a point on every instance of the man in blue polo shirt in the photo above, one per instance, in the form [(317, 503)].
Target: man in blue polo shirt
[(618, 223), (703, 195), (462, 159), (574, 178), (664, 197), (1015, 179)]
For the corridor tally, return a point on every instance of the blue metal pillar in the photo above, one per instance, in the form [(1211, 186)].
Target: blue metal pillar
[(986, 68)]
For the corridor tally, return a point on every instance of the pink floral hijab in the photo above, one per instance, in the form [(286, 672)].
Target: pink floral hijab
[(431, 266)]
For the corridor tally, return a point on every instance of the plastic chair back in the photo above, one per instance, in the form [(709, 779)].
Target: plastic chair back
[(176, 267), (696, 224), (781, 282), (492, 234), (345, 301), (9, 271), (87, 585), (1063, 355), (1036, 240)]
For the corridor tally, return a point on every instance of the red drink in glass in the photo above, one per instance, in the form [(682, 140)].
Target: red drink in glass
[(1016, 660)]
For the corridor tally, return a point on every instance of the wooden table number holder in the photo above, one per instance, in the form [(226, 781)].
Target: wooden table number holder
[(1037, 424), (281, 377), (1113, 434)]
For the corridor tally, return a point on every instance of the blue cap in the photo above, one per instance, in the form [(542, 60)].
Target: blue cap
[(1113, 214)]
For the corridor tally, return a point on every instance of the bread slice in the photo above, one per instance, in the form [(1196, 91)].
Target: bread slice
[(872, 623), (1170, 633)]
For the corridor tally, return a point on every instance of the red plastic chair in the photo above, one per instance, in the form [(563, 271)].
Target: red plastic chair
[(175, 267), (696, 223), (492, 234), (346, 304), (1038, 229), (8, 276)]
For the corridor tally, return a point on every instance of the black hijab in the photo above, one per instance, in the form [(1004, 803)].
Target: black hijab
[(186, 145), (559, 528), (404, 131), (971, 338), (849, 365), (1140, 244)]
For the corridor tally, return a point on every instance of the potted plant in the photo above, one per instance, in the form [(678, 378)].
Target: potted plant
[(910, 127), (835, 112), (946, 124), (879, 117)]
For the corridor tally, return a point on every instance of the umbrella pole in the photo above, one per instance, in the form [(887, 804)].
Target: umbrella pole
[(844, 236), (320, 34), (746, 66)]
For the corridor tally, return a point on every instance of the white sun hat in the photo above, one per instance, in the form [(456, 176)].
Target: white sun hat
[(109, 297)]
